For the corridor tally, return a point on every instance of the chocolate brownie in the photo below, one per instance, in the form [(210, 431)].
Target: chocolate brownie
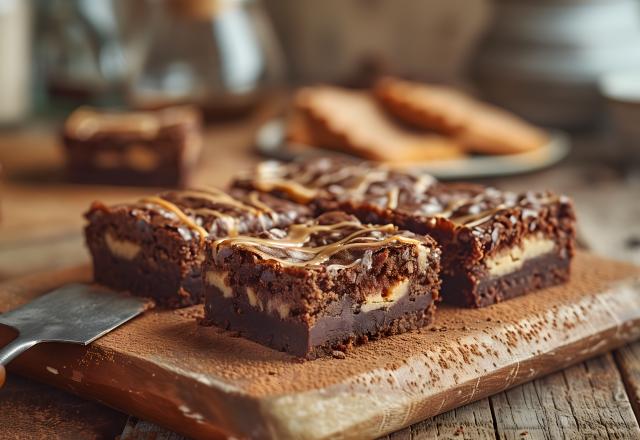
[(322, 285), (150, 148), (155, 247), (496, 244)]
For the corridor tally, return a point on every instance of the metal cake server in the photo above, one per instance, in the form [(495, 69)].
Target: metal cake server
[(75, 313)]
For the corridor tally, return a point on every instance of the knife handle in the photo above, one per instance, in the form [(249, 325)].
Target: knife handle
[(12, 350)]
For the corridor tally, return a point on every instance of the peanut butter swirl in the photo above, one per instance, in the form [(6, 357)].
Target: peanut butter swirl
[(298, 247)]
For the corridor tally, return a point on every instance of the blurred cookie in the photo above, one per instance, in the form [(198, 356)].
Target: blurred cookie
[(480, 127), (298, 129), (353, 122)]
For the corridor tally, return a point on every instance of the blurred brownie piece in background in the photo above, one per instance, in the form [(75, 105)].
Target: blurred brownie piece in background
[(155, 247), (495, 244), (143, 148), (322, 285)]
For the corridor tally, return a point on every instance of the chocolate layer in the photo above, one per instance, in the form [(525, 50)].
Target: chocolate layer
[(338, 329), (538, 273)]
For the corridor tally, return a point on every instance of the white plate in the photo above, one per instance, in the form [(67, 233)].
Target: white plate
[(270, 141)]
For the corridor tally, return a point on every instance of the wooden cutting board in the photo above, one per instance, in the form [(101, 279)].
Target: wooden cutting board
[(205, 382)]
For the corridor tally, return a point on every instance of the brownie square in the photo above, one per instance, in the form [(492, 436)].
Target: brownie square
[(146, 148), (155, 247), (496, 244), (322, 285)]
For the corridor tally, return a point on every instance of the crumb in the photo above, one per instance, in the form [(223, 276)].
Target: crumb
[(459, 431), (524, 433), (338, 354)]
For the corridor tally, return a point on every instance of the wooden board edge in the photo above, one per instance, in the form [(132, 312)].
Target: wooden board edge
[(399, 402), (177, 400), (398, 412)]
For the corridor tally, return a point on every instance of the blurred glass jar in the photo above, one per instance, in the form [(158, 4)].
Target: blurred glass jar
[(221, 55), (89, 50), (15, 60)]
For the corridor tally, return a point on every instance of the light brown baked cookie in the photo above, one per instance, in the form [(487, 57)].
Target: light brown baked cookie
[(353, 122), (480, 127), (298, 130)]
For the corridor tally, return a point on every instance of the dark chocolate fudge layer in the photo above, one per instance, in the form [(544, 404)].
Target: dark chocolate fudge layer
[(495, 244), (322, 285), (155, 247), (151, 148)]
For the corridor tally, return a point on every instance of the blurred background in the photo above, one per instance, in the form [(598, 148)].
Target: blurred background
[(547, 60), (570, 66)]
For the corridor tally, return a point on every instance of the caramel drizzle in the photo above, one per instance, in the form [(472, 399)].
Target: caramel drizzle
[(231, 222), (392, 198), (299, 192), (305, 186), (188, 221), (254, 199), (300, 234), (451, 207), (216, 196), (473, 220)]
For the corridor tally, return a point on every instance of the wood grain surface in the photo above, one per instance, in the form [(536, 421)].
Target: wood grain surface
[(40, 226), (32, 411), (202, 381), (584, 401), (628, 360)]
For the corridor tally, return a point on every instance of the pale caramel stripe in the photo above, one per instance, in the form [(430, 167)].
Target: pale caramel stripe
[(231, 222), (179, 213), (299, 235), (473, 220), (367, 179), (298, 192), (254, 199), (423, 182), (392, 198), (451, 207), (338, 175), (218, 197)]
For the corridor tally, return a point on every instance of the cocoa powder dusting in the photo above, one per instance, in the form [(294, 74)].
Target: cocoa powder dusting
[(170, 341)]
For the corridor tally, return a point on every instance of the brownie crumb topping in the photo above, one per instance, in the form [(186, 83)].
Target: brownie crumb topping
[(204, 210)]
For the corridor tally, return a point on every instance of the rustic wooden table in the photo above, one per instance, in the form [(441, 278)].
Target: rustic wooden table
[(41, 230)]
